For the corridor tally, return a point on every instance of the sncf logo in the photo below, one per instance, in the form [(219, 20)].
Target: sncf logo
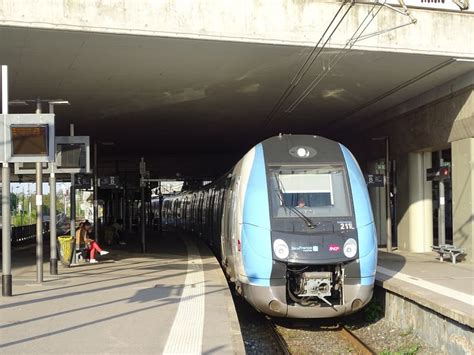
[(334, 248)]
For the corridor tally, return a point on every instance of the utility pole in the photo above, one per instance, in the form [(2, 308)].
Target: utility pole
[(6, 217), (39, 213), (386, 139), (95, 192), (442, 206), (72, 197), (387, 194), (53, 249), (142, 207)]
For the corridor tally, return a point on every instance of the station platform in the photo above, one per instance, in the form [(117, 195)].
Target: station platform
[(424, 295), (174, 299), (441, 286)]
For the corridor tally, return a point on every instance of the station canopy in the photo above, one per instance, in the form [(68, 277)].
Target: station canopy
[(194, 107)]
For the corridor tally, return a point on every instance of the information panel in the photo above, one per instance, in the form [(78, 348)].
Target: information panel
[(29, 140), (72, 157)]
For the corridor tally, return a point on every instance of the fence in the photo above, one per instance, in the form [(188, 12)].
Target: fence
[(26, 235)]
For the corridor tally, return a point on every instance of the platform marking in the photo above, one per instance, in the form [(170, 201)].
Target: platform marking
[(187, 330), (445, 291)]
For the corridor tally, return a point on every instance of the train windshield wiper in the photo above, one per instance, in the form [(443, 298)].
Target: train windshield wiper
[(300, 214)]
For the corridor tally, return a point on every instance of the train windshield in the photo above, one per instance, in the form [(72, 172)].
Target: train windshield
[(312, 192)]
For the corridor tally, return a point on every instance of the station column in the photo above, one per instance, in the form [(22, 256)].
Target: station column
[(463, 195), (420, 203)]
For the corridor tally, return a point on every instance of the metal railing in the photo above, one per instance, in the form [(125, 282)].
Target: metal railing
[(25, 235)]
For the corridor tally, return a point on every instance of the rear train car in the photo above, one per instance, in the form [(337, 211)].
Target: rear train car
[(292, 226)]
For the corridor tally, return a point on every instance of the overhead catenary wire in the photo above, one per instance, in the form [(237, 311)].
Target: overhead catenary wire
[(343, 52), (304, 68)]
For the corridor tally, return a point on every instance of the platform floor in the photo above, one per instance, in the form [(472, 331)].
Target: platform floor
[(441, 286), (174, 299)]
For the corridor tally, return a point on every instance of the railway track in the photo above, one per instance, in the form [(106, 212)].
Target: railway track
[(355, 341), (278, 338), (342, 332)]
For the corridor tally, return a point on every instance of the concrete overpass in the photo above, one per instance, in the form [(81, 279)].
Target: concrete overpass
[(190, 85)]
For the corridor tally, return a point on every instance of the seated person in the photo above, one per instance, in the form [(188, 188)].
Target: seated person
[(118, 227), (109, 234), (83, 239)]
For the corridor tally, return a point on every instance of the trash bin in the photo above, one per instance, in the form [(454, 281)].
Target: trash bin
[(66, 245)]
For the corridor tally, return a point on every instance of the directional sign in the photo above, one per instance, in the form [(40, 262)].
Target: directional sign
[(83, 181), (438, 174), (109, 182), (375, 180)]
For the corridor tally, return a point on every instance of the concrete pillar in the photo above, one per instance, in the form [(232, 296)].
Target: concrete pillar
[(427, 203), (419, 236), (463, 194)]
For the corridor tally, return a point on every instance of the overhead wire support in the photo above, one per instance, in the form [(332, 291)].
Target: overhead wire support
[(309, 62), (356, 37), (350, 43), (333, 62), (404, 12)]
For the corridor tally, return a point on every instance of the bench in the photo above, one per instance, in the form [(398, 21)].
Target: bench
[(448, 251), (80, 254)]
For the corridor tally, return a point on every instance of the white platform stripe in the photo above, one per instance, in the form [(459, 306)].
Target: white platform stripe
[(186, 332), (445, 291)]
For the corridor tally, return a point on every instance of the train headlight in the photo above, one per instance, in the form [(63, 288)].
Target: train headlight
[(302, 152), (280, 248), (350, 248)]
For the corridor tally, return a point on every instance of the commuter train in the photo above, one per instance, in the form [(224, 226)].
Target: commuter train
[(292, 226)]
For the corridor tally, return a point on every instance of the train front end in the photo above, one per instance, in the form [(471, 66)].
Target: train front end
[(307, 232)]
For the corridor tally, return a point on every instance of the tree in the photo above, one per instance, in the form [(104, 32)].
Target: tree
[(13, 203)]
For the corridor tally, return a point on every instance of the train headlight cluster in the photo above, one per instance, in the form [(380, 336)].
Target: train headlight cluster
[(350, 248), (280, 248), (302, 152)]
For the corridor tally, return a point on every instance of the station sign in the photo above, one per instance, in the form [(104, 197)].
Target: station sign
[(375, 180), (438, 174), (83, 181), (109, 182), (27, 138)]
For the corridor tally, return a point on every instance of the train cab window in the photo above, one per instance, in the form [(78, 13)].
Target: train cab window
[(315, 192)]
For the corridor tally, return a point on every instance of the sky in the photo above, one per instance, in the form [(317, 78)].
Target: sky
[(30, 188)]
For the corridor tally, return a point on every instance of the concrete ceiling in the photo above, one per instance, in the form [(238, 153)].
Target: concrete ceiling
[(176, 100)]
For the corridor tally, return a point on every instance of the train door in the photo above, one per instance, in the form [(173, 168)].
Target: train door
[(230, 239), (205, 205), (166, 211), (212, 195), (225, 230), (188, 213), (178, 212), (185, 213), (193, 213), (217, 222), (200, 212)]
